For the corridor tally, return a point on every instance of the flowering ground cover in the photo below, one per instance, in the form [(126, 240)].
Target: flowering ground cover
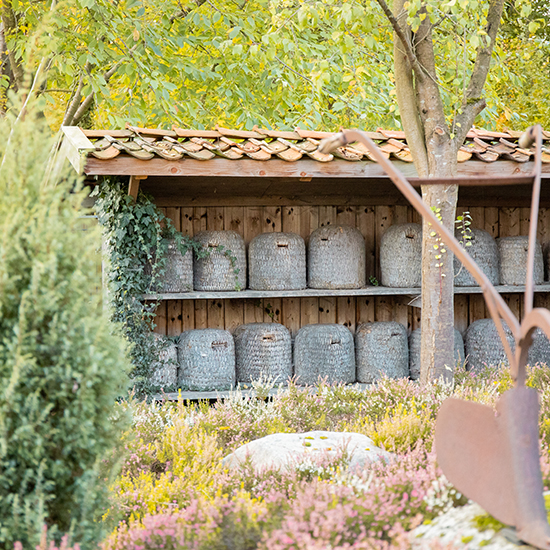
[(173, 492)]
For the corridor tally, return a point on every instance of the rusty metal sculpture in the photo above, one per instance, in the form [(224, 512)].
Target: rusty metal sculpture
[(491, 456)]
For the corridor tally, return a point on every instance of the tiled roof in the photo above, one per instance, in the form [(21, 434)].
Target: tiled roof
[(260, 144)]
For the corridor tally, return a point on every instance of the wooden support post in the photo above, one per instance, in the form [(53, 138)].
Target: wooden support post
[(133, 186)]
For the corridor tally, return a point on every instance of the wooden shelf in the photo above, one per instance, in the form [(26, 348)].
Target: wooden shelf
[(243, 391), (312, 292)]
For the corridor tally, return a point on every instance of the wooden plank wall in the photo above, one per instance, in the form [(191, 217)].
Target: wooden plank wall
[(175, 316)]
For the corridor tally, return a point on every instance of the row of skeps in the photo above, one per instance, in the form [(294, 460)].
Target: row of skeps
[(213, 359), (336, 259)]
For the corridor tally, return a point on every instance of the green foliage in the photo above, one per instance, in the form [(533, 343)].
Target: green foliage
[(230, 256), (463, 223), (526, 101), (319, 64), (523, 89), (199, 63), (62, 365), (485, 521), (137, 234)]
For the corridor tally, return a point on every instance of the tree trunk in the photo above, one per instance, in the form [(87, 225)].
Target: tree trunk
[(10, 25), (434, 154), (437, 336)]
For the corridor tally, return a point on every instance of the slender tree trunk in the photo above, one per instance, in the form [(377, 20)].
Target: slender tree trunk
[(434, 152), (437, 337), (10, 25), (4, 68)]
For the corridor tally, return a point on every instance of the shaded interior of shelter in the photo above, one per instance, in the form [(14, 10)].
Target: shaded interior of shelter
[(229, 310), (228, 191)]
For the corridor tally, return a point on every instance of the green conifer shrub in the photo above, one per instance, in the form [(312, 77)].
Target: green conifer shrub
[(62, 363)]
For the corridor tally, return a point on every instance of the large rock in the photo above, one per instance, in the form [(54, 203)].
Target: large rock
[(285, 450), (456, 529)]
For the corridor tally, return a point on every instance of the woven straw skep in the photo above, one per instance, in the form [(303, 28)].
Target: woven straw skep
[(206, 360), (336, 258), (483, 346), (513, 261), (164, 371), (277, 261), (414, 352), (263, 350), (401, 256), (178, 271), (215, 272), (324, 352), (381, 349), (539, 352), (484, 251)]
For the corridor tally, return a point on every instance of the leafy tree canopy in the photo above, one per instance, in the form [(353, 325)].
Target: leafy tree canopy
[(283, 63)]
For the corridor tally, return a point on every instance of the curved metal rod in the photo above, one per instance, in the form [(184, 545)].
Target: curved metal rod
[(497, 307), (534, 134)]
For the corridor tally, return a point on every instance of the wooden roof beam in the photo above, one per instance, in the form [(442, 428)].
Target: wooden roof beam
[(125, 165), (75, 147)]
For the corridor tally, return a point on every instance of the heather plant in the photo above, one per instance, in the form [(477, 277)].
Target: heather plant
[(539, 376), (174, 453), (168, 463), (222, 523), (282, 510), (62, 365), (46, 542), (400, 430)]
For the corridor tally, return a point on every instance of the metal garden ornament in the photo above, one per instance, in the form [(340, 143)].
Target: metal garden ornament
[(492, 457)]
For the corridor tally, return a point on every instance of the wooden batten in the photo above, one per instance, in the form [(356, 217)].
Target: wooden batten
[(124, 165), (133, 186), (407, 296)]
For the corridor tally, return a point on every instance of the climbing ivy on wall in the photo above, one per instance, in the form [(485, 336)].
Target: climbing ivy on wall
[(136, 236)]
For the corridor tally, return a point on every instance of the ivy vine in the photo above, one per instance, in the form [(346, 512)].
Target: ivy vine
[(232, 260), (136, 237), (463, 226)]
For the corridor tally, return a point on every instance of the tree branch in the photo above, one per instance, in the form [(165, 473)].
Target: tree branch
[(406, 99), (4, 69), (85, 105), (473, 103), (77, 97), (55, 90), (183, 13), (398, 30)]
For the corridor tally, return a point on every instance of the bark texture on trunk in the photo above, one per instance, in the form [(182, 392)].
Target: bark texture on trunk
[(436, 152), (437, 336)]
